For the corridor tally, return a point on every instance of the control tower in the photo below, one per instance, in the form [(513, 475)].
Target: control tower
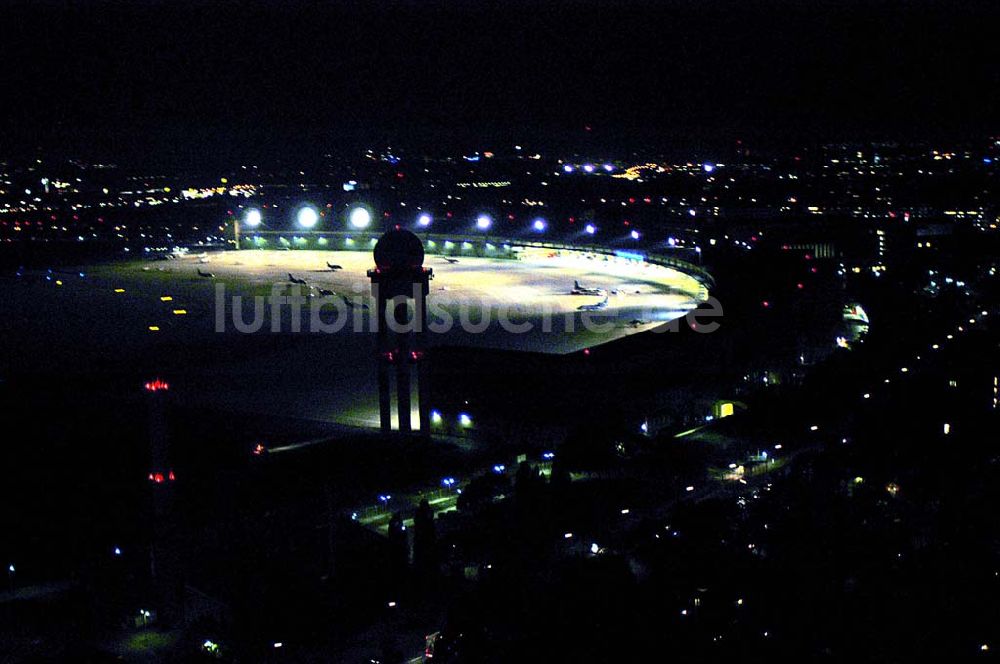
[(400, 283)]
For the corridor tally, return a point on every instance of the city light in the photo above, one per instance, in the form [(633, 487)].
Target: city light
[(360, 217), (483, 222), (424, 220), (253, 218), (157, 386), (307, 217)]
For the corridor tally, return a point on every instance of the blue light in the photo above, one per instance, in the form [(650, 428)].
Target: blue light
[(499, 468), (591, 229), (634, 234), (538, 224), (629, 255), (987, 160), (448, 482), (464, 419), (708, 168), (609, 167), (548, 455), (474, 157), (483, 222), (568, 168), (589, 168), (424, 219)]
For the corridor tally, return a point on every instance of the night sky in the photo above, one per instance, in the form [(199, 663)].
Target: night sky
[(260, 76)]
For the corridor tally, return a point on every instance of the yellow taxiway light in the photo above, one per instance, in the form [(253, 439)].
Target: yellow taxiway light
[(180, 312), (166, 298), (119, 290), (154, 328)]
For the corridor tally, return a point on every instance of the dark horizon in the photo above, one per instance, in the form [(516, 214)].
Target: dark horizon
[(252, 79)]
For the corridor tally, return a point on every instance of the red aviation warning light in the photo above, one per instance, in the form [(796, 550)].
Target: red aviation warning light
[(160, 478), (157, 386)]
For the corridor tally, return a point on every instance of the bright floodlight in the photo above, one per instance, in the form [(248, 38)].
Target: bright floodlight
[(360, 217), (609, 167), (635, 235), (589, 168), (252, 218), (568, 168), (483, 222), (539, 225), (307, 217), (424, 219), (709, 167), (591, 229)]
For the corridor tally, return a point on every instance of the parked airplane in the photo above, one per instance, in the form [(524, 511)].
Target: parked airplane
[(352, 304), (585, 290), (597, 306)]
